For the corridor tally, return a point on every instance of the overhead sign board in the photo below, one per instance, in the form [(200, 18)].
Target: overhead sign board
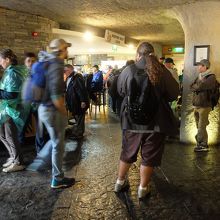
[(114, 38)]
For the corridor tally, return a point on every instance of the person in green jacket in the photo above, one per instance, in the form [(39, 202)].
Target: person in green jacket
[(12, 112)]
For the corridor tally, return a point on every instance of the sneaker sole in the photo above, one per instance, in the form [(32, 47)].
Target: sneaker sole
[(204, 150), (11, 171), (61, 186), (5, 166)]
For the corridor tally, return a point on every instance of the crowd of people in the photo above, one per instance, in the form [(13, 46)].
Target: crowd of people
[(143, 82)]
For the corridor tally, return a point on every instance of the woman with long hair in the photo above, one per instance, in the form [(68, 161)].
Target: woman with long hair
[(10, 108), (149, 136)]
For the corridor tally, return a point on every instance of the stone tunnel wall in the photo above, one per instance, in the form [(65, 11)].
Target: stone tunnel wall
[(200, 22), (16, 32)]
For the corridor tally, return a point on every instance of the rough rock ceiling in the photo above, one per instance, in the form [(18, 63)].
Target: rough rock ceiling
[(139, 19)]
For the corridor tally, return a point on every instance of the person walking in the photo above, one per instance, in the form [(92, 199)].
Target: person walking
[(52, 113)]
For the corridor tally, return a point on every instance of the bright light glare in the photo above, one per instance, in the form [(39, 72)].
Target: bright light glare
[(88, 36), (91, 50), (131, 46)]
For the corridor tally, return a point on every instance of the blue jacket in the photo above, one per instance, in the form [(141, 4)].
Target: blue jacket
[(97, 81)]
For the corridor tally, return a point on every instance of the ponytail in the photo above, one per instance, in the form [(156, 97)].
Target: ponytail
[(153, 67)]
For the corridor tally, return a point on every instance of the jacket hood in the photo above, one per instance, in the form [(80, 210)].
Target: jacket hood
[(44, 56), (141, 64), (204, 74)]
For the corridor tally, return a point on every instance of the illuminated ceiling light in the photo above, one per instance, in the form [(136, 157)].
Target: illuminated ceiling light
[(91, 50), (131, 46), (88, 36)]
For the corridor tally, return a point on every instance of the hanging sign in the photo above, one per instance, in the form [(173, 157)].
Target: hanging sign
[(114, 38)]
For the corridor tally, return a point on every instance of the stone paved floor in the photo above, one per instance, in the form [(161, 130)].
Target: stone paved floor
[(185, 187)]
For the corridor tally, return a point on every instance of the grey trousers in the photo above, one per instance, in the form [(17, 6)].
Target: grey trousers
[(9, 137)]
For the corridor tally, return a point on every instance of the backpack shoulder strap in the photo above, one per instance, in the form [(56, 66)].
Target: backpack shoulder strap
[(133, 70)]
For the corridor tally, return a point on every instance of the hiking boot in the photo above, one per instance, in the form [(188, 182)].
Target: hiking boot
[(143, 192), (120, 187), (201, 149), (64, 183), (8, 162), (13, 168)]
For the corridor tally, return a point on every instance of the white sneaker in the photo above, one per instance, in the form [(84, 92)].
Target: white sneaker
[(201, 149), (119, 187), (143, 192), (8, 162), (13, 168)]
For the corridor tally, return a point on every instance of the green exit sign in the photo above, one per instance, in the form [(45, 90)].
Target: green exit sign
[(114, 48), (178, 50)]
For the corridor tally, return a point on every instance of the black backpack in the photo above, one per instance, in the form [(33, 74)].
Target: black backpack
[(214, 93), (142, 101)]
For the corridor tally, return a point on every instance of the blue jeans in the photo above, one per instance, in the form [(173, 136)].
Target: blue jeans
[(55, 124)]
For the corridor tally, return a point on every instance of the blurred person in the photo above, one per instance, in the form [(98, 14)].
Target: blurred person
[(12, 115), (169, 64), (96, 84), (41, 136), (115, 67), (149, 136), (181, 76), (107, 74), (66, 72), (112, 88), (52, 113), (77, 100), (30, 59)]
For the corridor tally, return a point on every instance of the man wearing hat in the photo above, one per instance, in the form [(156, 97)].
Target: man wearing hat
[(168, 63), (205, 82), (52, 113)]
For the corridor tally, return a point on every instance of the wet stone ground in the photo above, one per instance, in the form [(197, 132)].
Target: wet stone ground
[(186, 187)]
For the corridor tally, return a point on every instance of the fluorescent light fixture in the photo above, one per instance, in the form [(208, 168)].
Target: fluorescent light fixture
[(88, 36)]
